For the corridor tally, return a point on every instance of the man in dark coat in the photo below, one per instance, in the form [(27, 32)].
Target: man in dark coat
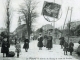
[(26, 44), (40, 43), (71, 45), (62, 42), (49, 42), (5, 47), (65, 47)]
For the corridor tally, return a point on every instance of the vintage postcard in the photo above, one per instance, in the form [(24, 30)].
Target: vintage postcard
[(39, 29)]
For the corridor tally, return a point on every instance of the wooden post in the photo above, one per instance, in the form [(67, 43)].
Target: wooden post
[(70, 24), (54, 31), (65, 21)]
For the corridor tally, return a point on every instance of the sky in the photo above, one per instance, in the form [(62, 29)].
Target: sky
[(14, 14)]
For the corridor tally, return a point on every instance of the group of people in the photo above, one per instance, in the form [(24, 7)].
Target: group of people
[(5, 45), (25, 46), (45, 41), (67, 47)]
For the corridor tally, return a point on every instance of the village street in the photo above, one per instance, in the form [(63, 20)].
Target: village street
[(56, 53)]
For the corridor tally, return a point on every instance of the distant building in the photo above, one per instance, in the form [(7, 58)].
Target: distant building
[(49, 28), (56, 33), (21, 31), (73, 28), (74, 24)]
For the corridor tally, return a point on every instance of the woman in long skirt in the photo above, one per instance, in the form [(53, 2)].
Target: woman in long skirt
[(62, 41), (40, 42), (26, 44), (49, 42), (45, 41)]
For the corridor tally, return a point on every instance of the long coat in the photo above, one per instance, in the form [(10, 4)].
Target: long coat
[(18, 47), (65, 46), (45, 40), (49, 42), (5, 47), (62, 42), (40, 41), (26, 45), (71, 47)]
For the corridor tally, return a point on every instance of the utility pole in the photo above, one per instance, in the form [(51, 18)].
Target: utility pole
[(65, 21), (69, 25), (54, 28)]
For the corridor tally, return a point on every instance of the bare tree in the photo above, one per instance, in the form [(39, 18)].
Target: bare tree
[(8, 20), (29, 13)]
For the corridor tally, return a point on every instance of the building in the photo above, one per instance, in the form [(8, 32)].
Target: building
[(49, 28), (21, 31), (74, 24)]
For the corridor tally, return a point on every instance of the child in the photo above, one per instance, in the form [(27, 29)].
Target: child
[(71, 45), (62, 42), (26, 46), (65, 47), (18, 48)]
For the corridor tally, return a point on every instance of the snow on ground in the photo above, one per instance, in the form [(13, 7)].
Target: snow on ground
[(76, 46), (56, 53)]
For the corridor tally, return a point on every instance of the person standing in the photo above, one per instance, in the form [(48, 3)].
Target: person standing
[(40, 42), (26, 44), (71, 45), (15, 40), (49, 42), (65, 47), (62, 42), (18, 48), (5, 47), (45, 41)]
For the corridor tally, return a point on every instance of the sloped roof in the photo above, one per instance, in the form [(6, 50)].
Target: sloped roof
[(21, 29), (47, 27), (21, 26)]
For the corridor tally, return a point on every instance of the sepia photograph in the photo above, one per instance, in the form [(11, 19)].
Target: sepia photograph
[(39, 30)]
